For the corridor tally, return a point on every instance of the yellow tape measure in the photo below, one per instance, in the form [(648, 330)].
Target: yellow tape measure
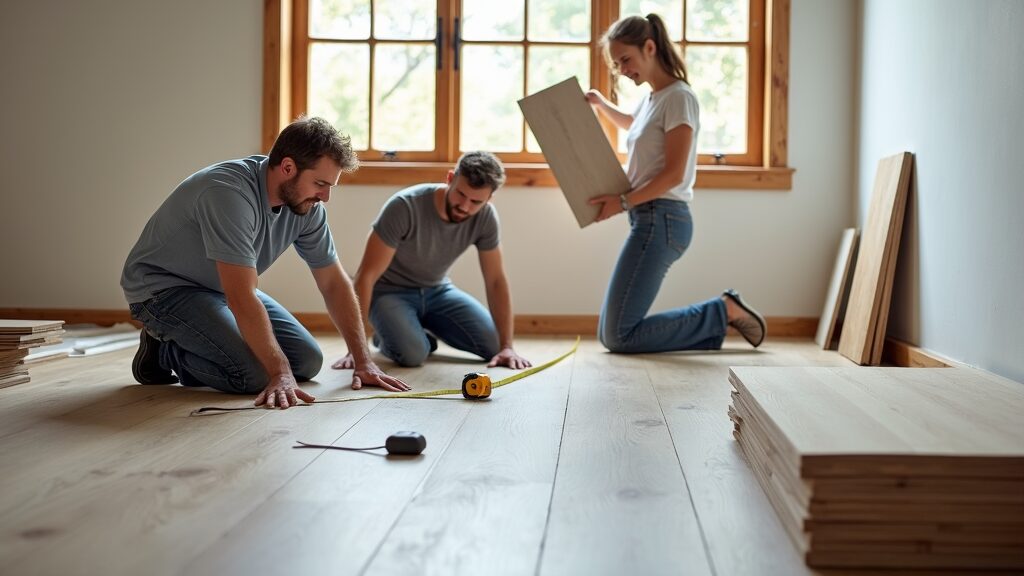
[(475, 386)]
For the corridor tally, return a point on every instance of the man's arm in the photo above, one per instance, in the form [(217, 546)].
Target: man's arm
[(499, 300), (343, 308), (376, 258), (239, 285)]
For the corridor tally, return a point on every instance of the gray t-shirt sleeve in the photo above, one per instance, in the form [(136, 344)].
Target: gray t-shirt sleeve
[(316, 245), (394, 223), (227, 239), (490, 230)]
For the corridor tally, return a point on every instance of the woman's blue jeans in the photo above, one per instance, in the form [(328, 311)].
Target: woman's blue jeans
[(660, 232), (202, 344), (402, 317)]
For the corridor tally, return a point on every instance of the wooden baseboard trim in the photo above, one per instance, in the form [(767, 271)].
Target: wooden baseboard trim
[(895, 352), (316, 321), (790, 327), (69, 315), (543, 324), (525, 324), (778, 327), (899, 353)]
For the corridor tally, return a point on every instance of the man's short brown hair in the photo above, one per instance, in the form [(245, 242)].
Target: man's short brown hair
[(481, 169), (306, 140)]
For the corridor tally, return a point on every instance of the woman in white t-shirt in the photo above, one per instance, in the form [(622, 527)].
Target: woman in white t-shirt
[(662, 168)]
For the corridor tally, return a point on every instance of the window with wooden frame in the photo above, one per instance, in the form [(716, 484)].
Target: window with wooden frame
[(416, 82)]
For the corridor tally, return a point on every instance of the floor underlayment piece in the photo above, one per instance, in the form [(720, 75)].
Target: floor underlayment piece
[(888, 467), (868, 310), (87, 340), (575, 146)]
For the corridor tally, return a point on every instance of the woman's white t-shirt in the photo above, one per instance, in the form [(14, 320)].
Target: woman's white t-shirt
[(661, 111)]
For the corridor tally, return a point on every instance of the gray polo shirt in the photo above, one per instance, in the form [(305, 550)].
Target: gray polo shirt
[(221, 213), (425, 245)]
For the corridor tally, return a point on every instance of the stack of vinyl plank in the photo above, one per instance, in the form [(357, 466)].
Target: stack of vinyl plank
[(888, 467), (16, 338)]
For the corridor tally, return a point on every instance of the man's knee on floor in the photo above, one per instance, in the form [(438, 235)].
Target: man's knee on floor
[(407, 355), (248, 381), (489, 348), (308, 364)]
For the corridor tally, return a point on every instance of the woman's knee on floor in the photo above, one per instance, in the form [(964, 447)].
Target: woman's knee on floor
[(612, 338), (614, 345)]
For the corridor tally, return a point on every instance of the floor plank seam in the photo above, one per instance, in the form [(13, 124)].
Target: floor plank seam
[(686, 482), (415, 493), (270, 496), (554, 479)]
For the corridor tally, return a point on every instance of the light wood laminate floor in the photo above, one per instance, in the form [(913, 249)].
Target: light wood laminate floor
[(603, 464)]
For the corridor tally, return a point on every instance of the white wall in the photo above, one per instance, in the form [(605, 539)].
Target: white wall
[(943, 79), (106, 108)]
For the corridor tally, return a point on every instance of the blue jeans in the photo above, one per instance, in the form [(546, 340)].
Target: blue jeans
[(401, 318), (660, 232), (202, 344)]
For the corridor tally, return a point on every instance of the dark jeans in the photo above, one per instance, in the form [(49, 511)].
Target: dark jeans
[(401, 318), (202, 344)]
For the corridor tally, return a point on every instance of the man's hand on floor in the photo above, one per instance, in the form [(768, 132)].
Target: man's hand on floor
[(282, 391)]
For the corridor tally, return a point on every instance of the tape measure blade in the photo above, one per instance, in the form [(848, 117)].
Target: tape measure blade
[(535, 369)]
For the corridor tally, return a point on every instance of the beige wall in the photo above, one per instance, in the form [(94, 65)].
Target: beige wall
[(106, 108)]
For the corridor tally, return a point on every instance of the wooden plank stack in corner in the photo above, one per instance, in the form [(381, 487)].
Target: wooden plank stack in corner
[(16, 338), (888, 467)]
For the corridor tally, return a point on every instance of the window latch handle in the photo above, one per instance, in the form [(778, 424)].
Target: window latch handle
[(439, 43), (456, 42)]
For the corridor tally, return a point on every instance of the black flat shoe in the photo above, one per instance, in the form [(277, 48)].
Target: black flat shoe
[(752, 327), (146, 364)]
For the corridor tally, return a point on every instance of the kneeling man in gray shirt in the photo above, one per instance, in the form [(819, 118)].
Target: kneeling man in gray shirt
[(191, 279), (402, 282)]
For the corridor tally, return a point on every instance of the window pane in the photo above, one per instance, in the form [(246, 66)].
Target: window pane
[(405, 19), (671, 11), (403, 97), (629, 97), (343, 19), (339, 88), (482, 20), (559, 20), (717, 20), (490, 115), (550, 65), (719, 77)]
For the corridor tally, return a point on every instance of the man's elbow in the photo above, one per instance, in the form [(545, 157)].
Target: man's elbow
[(497, 287)]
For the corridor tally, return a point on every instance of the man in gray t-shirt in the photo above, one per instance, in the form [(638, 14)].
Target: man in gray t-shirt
[(191, 277), (402, 281)]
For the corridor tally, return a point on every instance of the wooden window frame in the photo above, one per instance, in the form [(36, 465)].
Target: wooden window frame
[(284, 88)]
